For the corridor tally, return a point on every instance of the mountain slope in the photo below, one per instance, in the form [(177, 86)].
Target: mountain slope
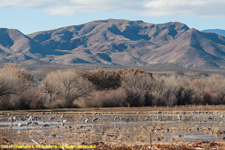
[(127, 42), (15, 46), (101, 31), (101, 41), (192, 49), (121, 42), (217, 31)]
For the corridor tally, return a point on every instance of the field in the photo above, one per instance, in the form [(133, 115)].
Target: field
[(181, 127)]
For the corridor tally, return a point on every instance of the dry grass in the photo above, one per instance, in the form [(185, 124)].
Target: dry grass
[(213, 109), (102, 146), (190, 146)]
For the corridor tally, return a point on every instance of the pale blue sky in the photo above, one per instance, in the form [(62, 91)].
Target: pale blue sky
[(31, 15)]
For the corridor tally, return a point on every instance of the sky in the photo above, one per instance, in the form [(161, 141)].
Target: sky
[(30, 16)]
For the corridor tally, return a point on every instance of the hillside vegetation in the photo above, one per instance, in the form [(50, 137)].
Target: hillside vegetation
[(102, 88)]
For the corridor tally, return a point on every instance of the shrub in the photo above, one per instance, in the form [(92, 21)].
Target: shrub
[(111, 98), (32, 99), (58, 103)]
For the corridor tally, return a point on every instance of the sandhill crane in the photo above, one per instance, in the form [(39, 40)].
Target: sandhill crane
[(10, 119), (115, 119), (29, 122), (34, 122), (51, 118), (179, 116), (30, 118), (95, 119), (46, 125), (210, 118), (14, 118)]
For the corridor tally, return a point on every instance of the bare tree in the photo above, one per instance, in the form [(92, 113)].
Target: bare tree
[(14, 80), (66, 84), (136, 82), (24, 79), (8, 85), (103, 79), (137, 87)]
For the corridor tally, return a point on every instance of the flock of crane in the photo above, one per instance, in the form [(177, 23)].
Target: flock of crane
[(161, 125), (33, 120)]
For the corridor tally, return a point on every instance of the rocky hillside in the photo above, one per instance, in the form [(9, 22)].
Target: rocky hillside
[(120, 42), (15, 46)]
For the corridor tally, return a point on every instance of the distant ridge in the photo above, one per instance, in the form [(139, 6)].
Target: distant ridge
[(122, 42), (217, 31)]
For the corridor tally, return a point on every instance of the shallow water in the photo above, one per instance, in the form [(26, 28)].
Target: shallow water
[(126, 127)]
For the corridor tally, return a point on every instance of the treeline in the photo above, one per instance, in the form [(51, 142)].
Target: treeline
[(101, 88)]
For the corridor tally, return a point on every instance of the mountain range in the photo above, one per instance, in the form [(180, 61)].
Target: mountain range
[(117, 42), (217, 31)]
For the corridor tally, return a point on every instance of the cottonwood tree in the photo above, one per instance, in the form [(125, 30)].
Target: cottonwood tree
[(103, 79), (23, 79), (137, 87), (209, 90), (176, 90), (14, 80), (137, 82), (65, 84), (8, 85)]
